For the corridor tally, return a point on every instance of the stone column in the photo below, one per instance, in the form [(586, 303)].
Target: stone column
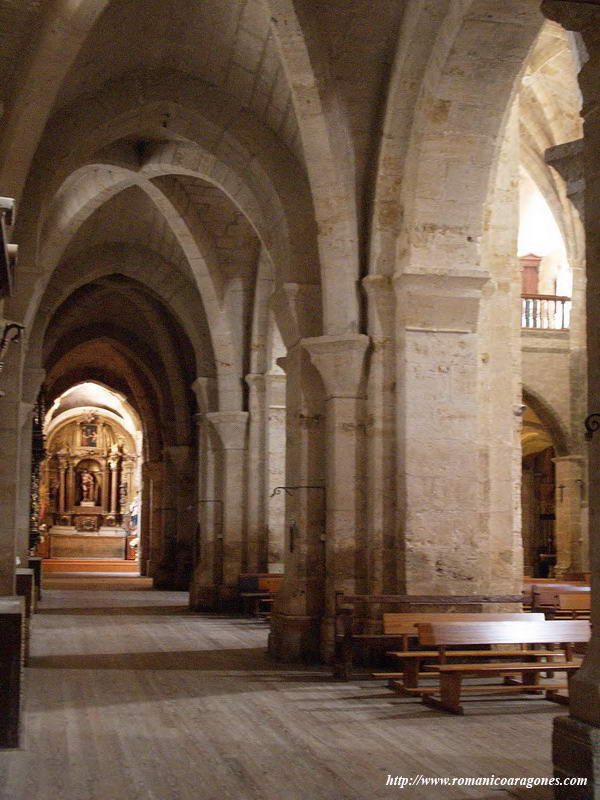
[(567, 159), (340, 361), (208, 572), (568, 529), (298, 609), (576, 740), (32, 380), (62, 485), (444, 550), (9, 420), (207, 578), (25, 484), (154, 472), (529, 514), (181, 526), (256, 542), (381, 439), (71, 488), (113, 465), (275, 471), (145, 518), (231, 427), (10, 405)]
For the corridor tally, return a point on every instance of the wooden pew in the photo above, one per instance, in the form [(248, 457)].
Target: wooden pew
[(540, 593), (407, 625), (501, 633), (346, 637), (258, 589), (545, 597), (577, 577), (573, 605)]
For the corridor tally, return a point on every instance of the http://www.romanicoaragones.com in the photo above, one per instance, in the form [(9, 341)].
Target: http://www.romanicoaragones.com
[(403, 781)]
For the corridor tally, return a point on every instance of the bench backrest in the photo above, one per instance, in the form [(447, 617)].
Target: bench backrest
[(406, 624), (548, 595), (462, 633), (260, 582), (565, 579), (575, 601)]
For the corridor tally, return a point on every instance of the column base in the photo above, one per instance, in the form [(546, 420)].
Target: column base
[(229, 598), (203, 598), (576, 754), (295, 638)]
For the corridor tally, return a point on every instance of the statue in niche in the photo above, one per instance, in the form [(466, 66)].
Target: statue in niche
[(88, 487)]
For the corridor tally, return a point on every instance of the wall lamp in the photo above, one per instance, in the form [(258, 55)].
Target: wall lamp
[(289, 490), (11, 334)]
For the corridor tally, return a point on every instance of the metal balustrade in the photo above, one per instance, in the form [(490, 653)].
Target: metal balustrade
[(545, 312)]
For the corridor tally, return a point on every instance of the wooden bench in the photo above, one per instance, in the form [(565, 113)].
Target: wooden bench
[(257, 589), (545, 596), (406, 681), (501, 633), (346, 637), (573, 605)]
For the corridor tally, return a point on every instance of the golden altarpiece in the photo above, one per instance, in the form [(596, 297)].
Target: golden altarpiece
[(88, 484)]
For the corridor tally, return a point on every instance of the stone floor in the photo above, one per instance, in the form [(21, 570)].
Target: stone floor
[(130, 696)]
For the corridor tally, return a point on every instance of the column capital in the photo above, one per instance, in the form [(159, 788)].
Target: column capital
[(231, 427), (377, 284), (298, 309), (256, 380), (275, 379), (438, 301), (566, 459), (380, 295), (340, 362)]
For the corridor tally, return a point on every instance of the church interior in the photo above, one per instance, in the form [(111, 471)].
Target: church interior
[(299, 399)]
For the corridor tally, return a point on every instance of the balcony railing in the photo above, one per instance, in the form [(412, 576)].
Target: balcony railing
[(547, 312)]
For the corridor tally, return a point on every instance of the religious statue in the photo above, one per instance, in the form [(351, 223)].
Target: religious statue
[(87, 482)]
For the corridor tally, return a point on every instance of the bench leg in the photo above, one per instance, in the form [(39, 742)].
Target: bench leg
[(342, 666), (531, 679), (411, 668), (450, 689)]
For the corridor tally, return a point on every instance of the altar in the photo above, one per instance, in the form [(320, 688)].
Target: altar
[(67, 542), (88, 485)]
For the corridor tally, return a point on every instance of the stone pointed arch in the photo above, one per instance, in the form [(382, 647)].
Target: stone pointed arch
[(138, 264), (63, 31), (420, 29), (550, 418), (457, 130), (76, 204), (329, 158), (207, 135)]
